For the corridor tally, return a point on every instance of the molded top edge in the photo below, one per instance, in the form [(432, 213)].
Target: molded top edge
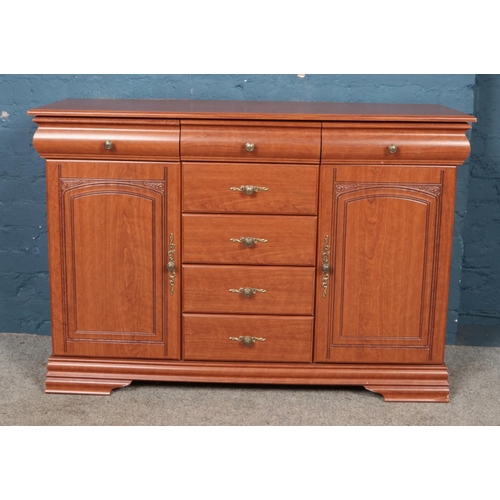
[(251, 110)]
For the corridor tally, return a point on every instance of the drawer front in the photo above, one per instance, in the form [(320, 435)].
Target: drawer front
[(251, 189), (283, 142), (277, 338), (138, 142), (272, 290), (394, 143), (215, 239)]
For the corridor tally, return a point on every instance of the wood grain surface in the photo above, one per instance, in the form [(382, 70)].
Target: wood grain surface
[(411, 383), (291, 240), (354, 256), (287, 290), (252, 110), (286, 338), (290, 189), (280, 142), (391, 230)]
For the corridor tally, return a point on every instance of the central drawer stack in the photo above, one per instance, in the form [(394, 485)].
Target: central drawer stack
[(249, 222)]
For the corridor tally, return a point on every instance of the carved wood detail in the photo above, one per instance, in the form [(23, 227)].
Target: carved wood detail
[(344, 187), (73, 183), (74, 190), (376, 251), (353, 244)]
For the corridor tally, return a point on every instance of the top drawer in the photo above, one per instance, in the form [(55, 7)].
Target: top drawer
[(108, 139), (394, 143), (249, 141)]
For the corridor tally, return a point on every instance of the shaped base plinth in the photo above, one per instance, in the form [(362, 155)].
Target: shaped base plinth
[(415, 394), (90, 386), (411, 383)]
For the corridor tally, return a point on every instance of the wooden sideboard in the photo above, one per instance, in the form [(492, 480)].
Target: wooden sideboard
[(250, 242)]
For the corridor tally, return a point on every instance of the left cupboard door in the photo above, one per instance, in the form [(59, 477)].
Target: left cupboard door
[(114, 233)]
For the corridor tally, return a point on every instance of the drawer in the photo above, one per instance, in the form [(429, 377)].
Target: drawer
[(286, 338), (246, 188), (248, 141), (146, 140), (215, 239), (394, 143), (274, 290)]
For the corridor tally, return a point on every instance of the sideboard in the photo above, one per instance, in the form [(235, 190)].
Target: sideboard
[(250, 242)]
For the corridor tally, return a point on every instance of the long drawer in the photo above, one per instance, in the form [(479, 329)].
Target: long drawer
[(251, 141), (251, 189), (247, 338), (248, 290), (249, 239), (122, 139), (393, 143)]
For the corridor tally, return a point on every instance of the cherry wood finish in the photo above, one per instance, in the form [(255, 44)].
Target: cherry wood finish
[(137, 139), (109, 235), (290, 240), (412, 383), (290, 189), (416, 143), (286, 338), (287, 290), (391, 233), (279, 142), (355, 267), (252, 110)]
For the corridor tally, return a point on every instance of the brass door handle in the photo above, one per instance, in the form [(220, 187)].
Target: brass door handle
[(326, 268), (393, 149), (249, 189), (171, 267), (248, 241), (249, 146), (108, 144), (247, 291), (246, 340)]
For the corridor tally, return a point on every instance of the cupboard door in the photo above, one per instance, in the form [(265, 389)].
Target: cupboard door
[(113, 228), (386, 233)]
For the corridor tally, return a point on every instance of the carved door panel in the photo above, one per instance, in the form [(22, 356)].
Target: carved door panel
[(386, 234), (113, 229)]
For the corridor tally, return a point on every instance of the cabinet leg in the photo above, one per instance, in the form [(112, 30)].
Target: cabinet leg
[(415, 394), (89, 386)]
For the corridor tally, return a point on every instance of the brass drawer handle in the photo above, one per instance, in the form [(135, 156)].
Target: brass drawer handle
[(248, 241), (249, 146), (393, 149), (248, 341), (249, 189), (247, 291), (108, 144)]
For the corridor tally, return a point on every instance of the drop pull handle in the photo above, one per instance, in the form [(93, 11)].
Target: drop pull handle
[(249, 189), (247, 291), (246, 340), (248, 241)]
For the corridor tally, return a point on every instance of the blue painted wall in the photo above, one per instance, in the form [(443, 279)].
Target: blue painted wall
[(480, 288), (24, 291)]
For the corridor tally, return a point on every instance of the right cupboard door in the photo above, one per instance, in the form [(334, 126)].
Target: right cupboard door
[(384, 253)]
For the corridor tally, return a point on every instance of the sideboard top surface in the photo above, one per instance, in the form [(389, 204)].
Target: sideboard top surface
[(255, 110)]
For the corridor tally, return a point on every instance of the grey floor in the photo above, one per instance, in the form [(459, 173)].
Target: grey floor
[(474, 380)]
